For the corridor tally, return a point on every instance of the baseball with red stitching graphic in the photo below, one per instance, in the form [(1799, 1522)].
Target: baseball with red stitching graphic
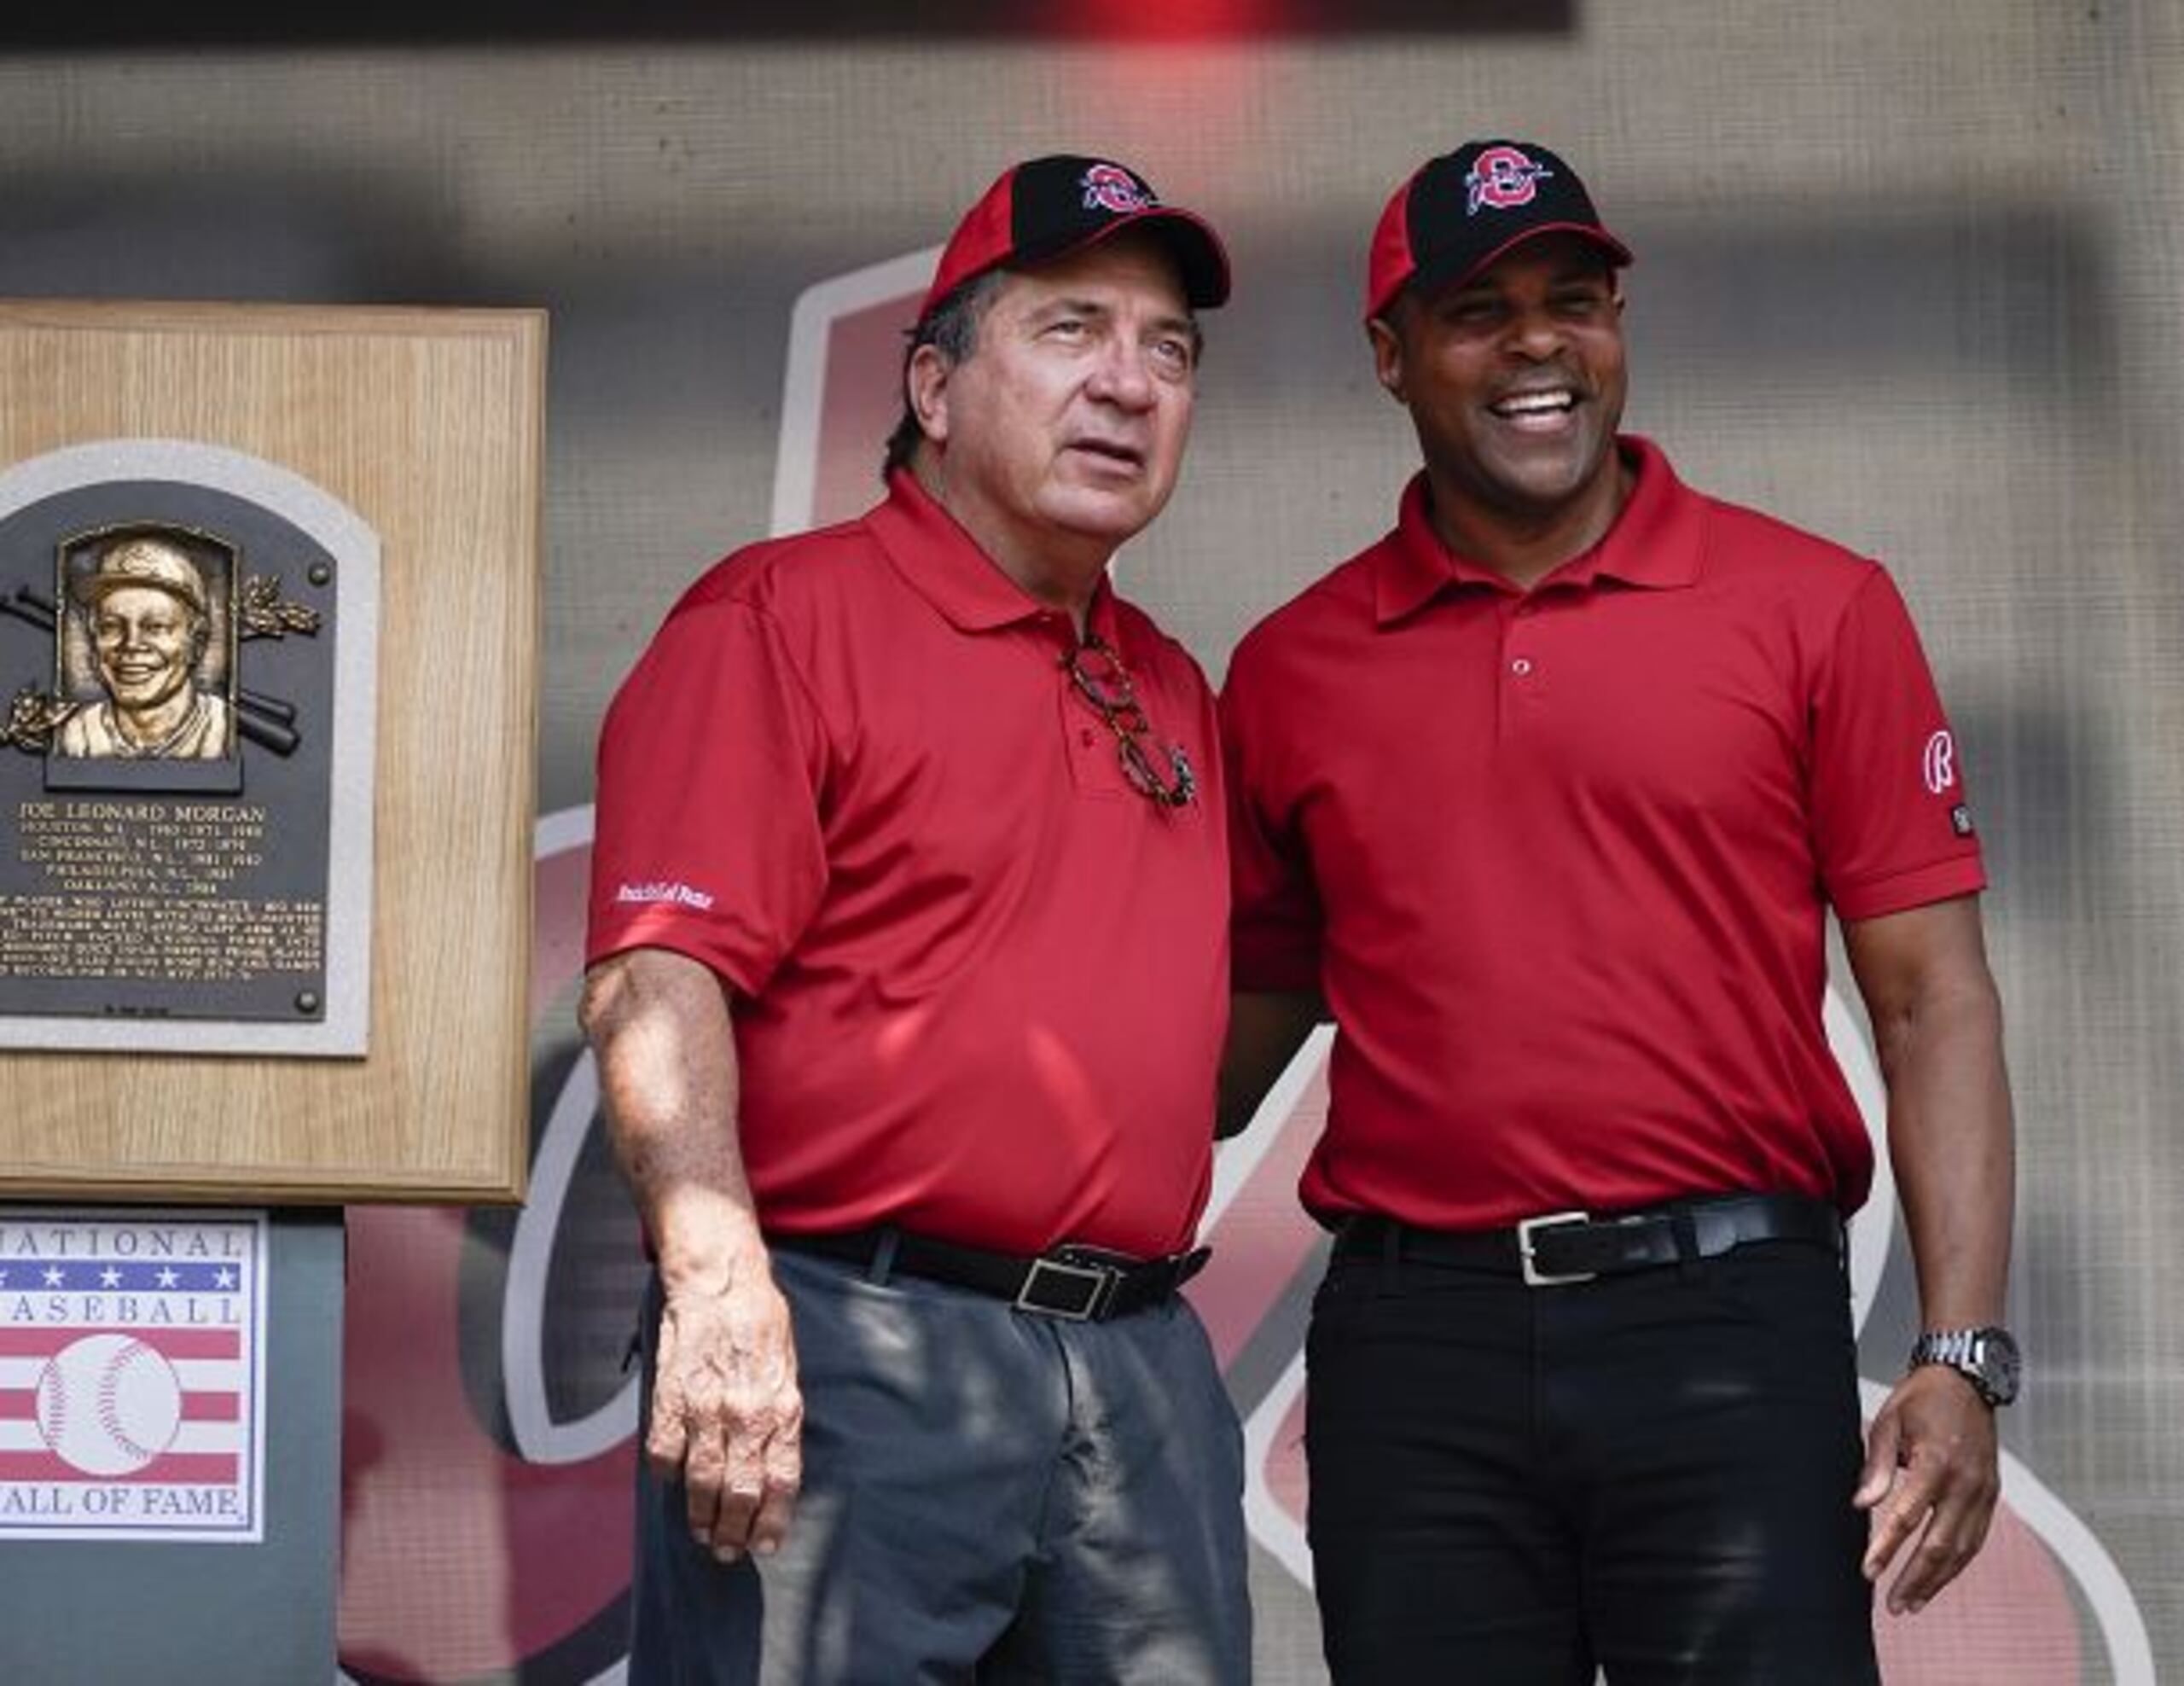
[(108, 1404)]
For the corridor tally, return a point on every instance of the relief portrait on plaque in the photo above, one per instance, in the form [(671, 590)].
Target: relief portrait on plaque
[(144, 611), (178, 870), (149, 620)]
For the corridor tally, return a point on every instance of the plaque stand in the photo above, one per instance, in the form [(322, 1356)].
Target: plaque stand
[(265, 939), (244, 1614)]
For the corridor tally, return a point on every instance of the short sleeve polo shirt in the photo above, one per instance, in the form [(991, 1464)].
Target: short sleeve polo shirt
[(979, 982), (1559, 859)]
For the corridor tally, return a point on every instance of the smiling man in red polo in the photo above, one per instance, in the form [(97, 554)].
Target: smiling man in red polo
[(908, 978), (1544, 799)]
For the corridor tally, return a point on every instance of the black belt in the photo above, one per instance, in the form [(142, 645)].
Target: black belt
[(1575, 1247), (1080, 1284)]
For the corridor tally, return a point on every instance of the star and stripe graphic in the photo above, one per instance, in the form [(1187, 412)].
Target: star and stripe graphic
[(209, 1437), (132, 1361)]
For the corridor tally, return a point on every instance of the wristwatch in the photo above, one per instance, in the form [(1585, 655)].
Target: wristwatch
[(1986, 1357)]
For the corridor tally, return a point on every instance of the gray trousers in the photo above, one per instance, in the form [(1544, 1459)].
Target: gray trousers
[(989, 1497)]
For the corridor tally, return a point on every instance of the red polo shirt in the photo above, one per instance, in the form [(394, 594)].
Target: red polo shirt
[(1559, 858), (980, 982)]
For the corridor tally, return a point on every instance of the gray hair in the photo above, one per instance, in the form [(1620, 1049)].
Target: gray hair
[(951, 328)]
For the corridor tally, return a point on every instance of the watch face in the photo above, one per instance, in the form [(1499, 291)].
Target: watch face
[(2000, 1364), (1987, 1358)]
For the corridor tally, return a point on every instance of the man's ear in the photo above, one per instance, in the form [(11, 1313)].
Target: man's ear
[(925, 388), (1388, 356)]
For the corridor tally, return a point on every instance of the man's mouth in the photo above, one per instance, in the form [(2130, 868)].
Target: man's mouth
[(1540, 410), (1111, 450)]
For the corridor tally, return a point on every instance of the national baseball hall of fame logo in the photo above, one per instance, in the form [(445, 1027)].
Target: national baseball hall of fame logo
[(491, 1409), (131, 1360)]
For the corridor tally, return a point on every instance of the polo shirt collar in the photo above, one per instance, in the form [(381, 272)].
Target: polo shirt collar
[(1656, 543), (946, 567)]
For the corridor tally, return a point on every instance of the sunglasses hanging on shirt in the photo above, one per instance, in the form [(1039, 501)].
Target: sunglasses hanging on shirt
[(1160, 773)]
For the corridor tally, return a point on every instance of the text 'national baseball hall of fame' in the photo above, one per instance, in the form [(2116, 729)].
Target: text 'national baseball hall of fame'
[(131, 1370)]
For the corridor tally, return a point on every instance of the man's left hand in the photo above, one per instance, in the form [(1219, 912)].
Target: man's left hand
[(1931, 1473)]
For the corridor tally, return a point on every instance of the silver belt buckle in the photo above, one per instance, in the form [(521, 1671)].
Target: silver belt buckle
[(1099, 1280), (1534, 1276)]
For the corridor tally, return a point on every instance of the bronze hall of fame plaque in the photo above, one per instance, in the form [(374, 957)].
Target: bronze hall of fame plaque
[(186, 645)]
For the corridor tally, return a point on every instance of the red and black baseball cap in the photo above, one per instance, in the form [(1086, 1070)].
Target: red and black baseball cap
[(1466, 208), (1048, 208)]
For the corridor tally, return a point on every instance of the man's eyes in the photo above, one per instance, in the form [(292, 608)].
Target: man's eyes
[(1173, 353), (1481, 312)]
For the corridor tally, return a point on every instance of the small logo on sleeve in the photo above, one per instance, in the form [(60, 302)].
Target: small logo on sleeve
[(1959, 820), (1940, 761), (682, 895)]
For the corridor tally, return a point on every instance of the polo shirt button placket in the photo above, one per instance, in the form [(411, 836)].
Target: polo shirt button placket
[(1055, 626), (1088, 744), (1515, 688)]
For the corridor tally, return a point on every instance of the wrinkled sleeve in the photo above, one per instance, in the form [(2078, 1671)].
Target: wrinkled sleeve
[(1892, 826), (712, 768)]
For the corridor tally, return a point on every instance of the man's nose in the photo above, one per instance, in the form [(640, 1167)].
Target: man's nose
[(1123, 373), (1536, 333)]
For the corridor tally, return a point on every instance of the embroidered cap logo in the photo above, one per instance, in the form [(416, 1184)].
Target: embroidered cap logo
[(1110, 187), (1502, 179)]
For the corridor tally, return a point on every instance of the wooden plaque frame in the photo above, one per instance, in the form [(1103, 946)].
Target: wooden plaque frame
[(429, 425)]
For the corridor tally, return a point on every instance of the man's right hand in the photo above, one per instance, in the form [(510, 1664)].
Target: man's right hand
[(727, 1416)]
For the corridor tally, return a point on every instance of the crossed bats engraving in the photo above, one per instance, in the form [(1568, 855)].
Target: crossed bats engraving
[(261, 612)]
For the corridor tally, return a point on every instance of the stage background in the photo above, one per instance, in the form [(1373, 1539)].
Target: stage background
[(1908, 275)]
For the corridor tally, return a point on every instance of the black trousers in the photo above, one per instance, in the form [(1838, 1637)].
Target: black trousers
[(1649, 1475)]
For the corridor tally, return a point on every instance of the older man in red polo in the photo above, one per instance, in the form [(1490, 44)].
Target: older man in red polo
[(909, 974)]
